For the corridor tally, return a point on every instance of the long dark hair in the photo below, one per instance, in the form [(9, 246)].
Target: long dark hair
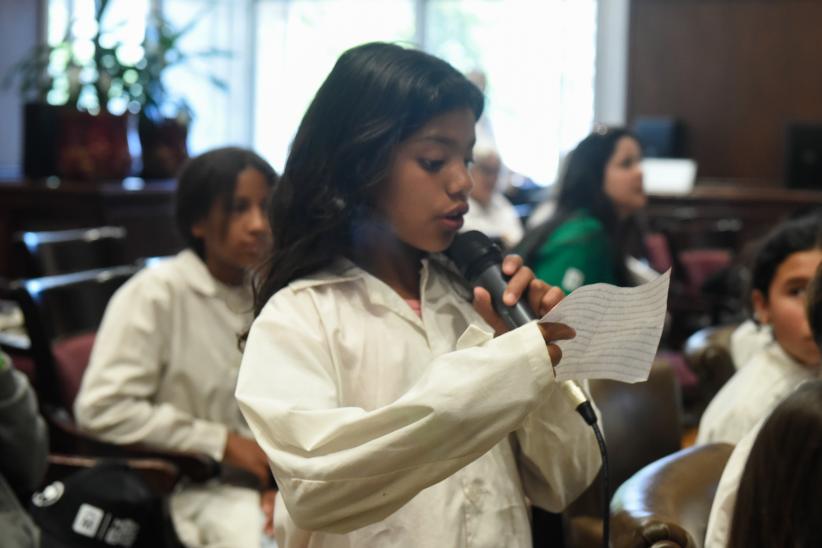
[(582, 186), (376, 96), (778, 502)]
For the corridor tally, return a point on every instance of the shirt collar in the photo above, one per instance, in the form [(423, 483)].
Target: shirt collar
[(197, 274), (345, 270), (379, 293)]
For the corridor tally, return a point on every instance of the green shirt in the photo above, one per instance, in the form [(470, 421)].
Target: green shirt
[(578, 252)]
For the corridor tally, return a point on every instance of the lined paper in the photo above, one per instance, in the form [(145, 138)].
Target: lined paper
[(618, 330)]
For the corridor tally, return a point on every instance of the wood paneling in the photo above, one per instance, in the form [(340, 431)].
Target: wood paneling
[(735, 71)]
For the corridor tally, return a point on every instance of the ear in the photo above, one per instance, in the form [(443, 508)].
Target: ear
[(760, 306)]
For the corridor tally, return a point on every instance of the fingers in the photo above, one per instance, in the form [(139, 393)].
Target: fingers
[(556, 331), (521, 277), (555, 353), (543, 297), (485, 308)]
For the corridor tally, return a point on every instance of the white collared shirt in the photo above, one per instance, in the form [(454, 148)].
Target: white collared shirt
[(388, 429), (751, 394), (165, 360)]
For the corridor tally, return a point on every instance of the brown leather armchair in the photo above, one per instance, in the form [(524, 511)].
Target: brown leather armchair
[(708, 354), (667, 503)]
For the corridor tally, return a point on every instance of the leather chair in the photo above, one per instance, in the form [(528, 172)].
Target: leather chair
[(708, 355), (640, 423), (61, 316), (667, 503), (49, 253)]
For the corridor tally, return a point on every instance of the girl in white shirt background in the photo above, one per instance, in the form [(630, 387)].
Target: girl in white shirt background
[(392, 410), (165, 359), (784, 265)]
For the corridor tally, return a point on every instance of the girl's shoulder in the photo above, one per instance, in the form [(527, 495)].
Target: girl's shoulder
[(170, 278)]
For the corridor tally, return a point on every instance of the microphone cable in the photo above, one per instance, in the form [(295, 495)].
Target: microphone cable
[(586, 411)]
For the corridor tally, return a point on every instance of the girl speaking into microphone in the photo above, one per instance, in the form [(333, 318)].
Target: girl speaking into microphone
[(392, 409)]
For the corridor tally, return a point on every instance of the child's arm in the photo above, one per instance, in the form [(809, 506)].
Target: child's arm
[(340, 468), (559, 456)]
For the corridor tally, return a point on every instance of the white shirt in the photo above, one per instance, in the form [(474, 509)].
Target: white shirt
[(722, 509), (387, 429), (498, 220), (748, 339), (751, 394), (165, 360)]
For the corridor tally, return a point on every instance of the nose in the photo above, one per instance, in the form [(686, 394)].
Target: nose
[(461, 183), (258, 221)]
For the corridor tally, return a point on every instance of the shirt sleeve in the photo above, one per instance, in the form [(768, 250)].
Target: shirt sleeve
[(341, 468), (722, 509), (117, 396), (558, 452), (574, 260)]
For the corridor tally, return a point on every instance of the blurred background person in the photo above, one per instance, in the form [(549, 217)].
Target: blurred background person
[(588, 237), (784, 266), (490, 211)]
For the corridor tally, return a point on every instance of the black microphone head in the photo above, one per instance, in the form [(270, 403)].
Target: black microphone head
[(473, 252)]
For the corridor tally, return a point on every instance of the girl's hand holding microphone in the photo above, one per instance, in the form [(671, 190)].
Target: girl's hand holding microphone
[(541, 297)]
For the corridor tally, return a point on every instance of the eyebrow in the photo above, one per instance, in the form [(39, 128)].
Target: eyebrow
[(446, 141), (797, 280)]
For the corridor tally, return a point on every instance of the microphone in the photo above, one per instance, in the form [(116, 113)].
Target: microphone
[(479, 260)]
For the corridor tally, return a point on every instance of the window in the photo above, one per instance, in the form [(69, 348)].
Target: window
[(538, 57)]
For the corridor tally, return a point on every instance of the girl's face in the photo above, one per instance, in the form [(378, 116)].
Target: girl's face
[(425, 196), (784, 308), (623, 177), (235, 240)]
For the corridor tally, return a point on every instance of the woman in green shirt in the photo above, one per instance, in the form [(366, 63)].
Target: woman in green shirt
[(585, 241)]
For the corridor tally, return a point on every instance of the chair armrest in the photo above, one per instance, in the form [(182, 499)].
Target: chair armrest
[(160, 475), (669, 501), (65, 437)]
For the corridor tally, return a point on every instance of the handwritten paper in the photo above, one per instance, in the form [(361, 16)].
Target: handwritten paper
[(618, 330)]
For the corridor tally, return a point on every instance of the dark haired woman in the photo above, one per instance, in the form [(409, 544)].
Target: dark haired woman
[(586, 239), (165, 358), (390, 413)]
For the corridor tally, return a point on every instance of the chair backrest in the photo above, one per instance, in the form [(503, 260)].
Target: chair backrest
[(50, 253), (641, 423), (61, 314), (708, 354), (667, 503)]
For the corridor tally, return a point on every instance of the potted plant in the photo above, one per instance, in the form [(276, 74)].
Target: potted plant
[(80, 109)]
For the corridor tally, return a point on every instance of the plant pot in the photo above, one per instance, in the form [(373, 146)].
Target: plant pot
[(164, 147), (62, 141)]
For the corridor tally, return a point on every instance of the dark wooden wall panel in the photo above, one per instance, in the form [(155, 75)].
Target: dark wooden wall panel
[(735, 71)]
